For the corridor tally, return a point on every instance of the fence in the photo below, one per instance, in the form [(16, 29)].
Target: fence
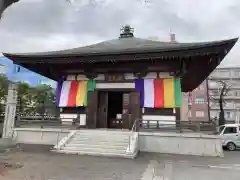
[(177, 126), (144, 125), (43, 121)]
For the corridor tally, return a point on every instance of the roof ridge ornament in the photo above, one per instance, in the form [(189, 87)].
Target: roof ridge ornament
[(126, 32)]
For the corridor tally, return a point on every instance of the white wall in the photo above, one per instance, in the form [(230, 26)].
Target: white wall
[(39, 136), (115, 86), (176, 143), (68, 118), (162, 119)]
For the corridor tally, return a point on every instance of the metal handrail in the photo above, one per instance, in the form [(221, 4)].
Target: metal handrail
[(134, 127)]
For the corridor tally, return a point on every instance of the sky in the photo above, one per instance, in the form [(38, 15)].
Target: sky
[(19, 74), (46, 25)]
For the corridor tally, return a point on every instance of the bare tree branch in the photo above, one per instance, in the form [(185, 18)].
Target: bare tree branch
[(223, 91)]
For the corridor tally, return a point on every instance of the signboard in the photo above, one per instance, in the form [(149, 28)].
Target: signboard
[(115, 77)]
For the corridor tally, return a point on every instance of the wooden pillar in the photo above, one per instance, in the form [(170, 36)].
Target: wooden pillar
[(135, 109), (102, 110), (178, 118), (91, 110), (126, 110), (178, 114)]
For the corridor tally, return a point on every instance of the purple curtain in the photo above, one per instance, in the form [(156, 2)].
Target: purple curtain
[(139, 86), (58, 91)]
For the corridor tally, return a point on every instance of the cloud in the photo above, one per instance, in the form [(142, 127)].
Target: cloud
[(42, 25)]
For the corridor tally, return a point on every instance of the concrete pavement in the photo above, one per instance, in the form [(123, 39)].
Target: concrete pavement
[(51, 166), (175, 167)]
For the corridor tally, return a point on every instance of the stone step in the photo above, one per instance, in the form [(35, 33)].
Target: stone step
[(98, 143), (106, 154), (103, 143), (101, 135), (105, 130), (98, 146), (94, 139), (84, 141), (97, 150), (98, 132)]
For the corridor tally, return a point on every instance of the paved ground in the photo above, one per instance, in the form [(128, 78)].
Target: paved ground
[(19, 165)]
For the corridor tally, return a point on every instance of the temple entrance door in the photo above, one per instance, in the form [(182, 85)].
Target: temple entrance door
[(115, 105), (135, 109), (102, 109), (92, 110), (114, 110)]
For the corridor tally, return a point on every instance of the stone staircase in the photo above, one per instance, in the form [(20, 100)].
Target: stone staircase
[(97, 142)]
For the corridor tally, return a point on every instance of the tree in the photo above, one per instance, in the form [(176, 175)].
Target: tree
[(23, 96), (224, 89), (31, 100), (3, 91), (3, 87), (44, 99)]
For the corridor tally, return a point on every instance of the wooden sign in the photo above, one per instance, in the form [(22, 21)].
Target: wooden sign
[(115, 77)]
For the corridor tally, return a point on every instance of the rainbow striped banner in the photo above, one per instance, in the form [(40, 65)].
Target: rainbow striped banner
[(74, 93), (159, 93), (154, 93)]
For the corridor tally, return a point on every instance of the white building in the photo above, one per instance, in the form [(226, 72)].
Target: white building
[(231, 77)]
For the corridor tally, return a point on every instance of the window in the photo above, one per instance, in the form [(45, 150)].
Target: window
[(212, 84), (229, 105), (237, 105), (230, 130), (199, 100), (228, 115), (221, 128), (214, 92), (237, 93), (236, 74), (199, 113)]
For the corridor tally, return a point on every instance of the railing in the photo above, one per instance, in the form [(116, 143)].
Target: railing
[(65, 140), (43, 121), (133, 139), (177, 126), (134, 127)]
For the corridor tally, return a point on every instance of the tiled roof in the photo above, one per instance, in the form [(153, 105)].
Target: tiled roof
[(123, 45)]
